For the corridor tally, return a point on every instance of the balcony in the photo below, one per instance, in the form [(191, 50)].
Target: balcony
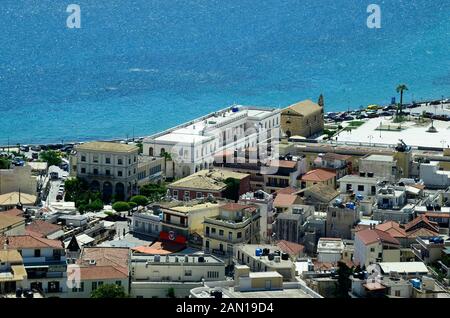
[(232, 224)]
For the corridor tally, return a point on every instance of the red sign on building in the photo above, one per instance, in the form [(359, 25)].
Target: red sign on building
[(172, 237)]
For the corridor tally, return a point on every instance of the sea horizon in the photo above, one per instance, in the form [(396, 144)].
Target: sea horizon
[(176, 61)]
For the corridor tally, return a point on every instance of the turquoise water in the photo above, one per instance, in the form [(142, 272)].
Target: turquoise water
[(139, 66)]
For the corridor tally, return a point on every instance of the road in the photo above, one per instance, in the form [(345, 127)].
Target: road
[(54, 184)]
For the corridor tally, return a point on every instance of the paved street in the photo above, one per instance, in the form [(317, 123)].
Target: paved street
[(54, 184)]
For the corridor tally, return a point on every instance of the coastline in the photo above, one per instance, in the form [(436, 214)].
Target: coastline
[(13, 144)]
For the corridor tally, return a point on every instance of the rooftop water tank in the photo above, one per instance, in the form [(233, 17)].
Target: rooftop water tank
[(235, 109), (258, 252), (350, 205), (415, 282)]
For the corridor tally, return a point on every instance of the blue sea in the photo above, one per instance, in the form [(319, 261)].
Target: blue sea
[(140, 66)]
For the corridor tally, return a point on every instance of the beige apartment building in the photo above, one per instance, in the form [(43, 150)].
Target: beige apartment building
[(110, 168), (302, 119), (18, 179), (235, 224)]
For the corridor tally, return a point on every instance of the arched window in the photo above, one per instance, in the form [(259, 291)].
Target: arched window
[(150, 151), (163, 151)]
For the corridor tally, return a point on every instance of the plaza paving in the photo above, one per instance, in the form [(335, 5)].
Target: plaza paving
[(412, 134)]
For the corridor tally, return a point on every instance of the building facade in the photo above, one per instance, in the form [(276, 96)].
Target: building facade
[(302, 119), (235, 224), (108, 167), (192, 146)]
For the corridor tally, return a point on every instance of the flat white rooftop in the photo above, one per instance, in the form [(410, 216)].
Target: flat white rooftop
[(381, 158), (412, 135), (197, 130), (403, 267)]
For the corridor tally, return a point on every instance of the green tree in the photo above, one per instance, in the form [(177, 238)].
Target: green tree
[(140, 146), (232, 190), (139, 200), (95, 206), (4, 163), (343, 284), (121, 206), (153, 191), (52, 157), (400, 89), (132, 205), (109, 291), (171, 292)]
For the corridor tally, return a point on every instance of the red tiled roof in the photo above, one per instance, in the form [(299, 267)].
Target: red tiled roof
[(318, 175), (234, 207), (290, 247), (284, 200), (13, 212), (30, 241), (437, 215), (43, 228), (370, 236), (101, 272), (422, 232), (283, 164), (106, 256), (393, 228), (422, 218), (335, 156), (288, 190)]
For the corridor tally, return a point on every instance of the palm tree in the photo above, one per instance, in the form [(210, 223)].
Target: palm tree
[(400, 89)]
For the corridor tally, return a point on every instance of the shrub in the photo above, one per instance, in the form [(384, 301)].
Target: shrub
[(132, 205), (109, 291), (51, 157), (121, 206), (140, 200), (95, 206)]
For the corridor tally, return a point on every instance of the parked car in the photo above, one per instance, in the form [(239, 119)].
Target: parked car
[(35, 155), (25, 148)]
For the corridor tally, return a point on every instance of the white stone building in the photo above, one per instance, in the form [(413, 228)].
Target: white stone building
[(192, 145)]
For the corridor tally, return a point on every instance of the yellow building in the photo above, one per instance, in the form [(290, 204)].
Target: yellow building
[(12, 272), (235, 224), (184, 221), (302, 119), (318, 176)]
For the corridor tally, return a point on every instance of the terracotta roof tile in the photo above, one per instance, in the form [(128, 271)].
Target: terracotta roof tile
[(335, 156), (42, 227), (290, 247), (370, 236), (318, 175), (101, 272), (393, 228), (437, 215), (30, 241), (284, 200), (13, 212), (426, 223), (288, 190), (106, 256), (235, 207)]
